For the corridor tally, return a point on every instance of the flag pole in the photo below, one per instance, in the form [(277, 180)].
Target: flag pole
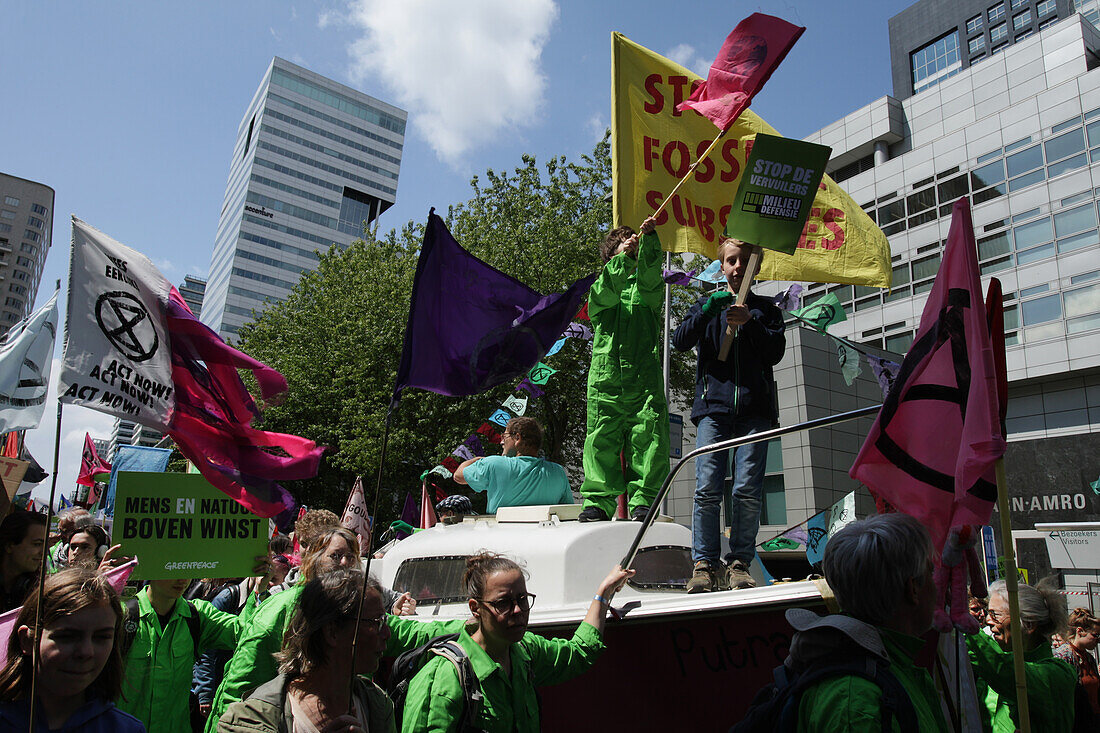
[(690, 171), (42, 566), (1012, 587), (370, 538)]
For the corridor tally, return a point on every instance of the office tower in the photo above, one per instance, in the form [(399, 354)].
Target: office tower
[(314, 160), (1013, 122), (26, 229)]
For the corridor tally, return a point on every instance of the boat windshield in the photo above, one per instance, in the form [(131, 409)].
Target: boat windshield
[(662, 567), (432, 578)]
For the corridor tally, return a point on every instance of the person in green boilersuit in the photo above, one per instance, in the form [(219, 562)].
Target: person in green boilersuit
[(626, 448), (880, 569), (1050, 681), (509, 661), (157, 683)]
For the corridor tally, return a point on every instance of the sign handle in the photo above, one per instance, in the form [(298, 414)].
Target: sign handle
[(688, 174), (1012, 591), (742, 296)]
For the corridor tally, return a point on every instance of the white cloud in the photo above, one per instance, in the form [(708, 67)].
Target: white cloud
[(75, 421), (465, 71), (686, 55), (596, 126), (328, 17), (275, 34)]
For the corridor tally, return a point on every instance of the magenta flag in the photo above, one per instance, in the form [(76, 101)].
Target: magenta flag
[(747, 59), (92, 467), (932, 448), (212, 422)]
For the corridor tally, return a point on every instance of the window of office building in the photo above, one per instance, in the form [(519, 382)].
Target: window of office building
[(1017, 4), (38, 209), (935, 62), (356, 208), (976, 44), (996, 12), (1022, 20), (11, 201), (1045, 6), (974, 24), (997, 33)]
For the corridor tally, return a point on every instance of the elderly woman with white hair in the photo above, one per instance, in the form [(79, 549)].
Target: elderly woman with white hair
[(1050, 681)]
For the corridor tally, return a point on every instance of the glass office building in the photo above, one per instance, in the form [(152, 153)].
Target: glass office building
[(314, 162)]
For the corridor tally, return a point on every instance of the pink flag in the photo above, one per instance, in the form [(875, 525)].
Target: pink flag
[(427, 507), (932, 449), (117, 577), (747, 59), (356, 517), (92, 467)]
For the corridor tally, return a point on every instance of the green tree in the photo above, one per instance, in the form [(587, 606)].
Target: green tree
[(338, 337)]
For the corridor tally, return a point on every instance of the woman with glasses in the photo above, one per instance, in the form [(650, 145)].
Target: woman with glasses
[(1050, 681), (509, 661), (319, 687)]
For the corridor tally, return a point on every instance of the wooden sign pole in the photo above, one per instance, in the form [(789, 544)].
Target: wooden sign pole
[(742, 296)]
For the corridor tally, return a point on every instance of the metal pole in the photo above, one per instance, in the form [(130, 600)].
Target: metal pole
[(666, 355), (820, 422)]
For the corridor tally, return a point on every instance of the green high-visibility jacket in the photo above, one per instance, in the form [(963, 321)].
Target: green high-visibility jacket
[(436, 702), (157, 682), (855, 704), (253, 662), (1050, 685)]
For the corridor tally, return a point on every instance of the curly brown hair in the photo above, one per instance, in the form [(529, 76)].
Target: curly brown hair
[(614, 238), (313, 523)]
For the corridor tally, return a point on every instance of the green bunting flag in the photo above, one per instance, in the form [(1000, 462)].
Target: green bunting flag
[(849, 363), (823, 312), (540, 373)]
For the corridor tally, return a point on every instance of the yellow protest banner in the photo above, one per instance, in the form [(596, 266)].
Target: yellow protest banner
[(653, 146)]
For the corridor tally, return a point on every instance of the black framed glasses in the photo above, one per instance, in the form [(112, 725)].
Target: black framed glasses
[(509, 603), (378, 622), (996, 616)]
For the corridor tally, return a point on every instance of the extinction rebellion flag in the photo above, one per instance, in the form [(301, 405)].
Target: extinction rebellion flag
[(117, 355)]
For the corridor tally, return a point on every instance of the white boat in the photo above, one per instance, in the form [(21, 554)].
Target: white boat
[(669, 655)]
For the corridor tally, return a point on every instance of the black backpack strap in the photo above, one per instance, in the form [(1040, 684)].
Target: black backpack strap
[(896, 703), (130, 619), (194, 625), (471, 686)]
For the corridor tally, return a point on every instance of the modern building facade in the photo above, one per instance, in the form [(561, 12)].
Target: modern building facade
[(193, 292), (314, 162), (26, 231), (1017, 130)]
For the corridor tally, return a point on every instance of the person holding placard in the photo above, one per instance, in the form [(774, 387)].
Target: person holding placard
[(734, 397), (626, 448), (170, 635)]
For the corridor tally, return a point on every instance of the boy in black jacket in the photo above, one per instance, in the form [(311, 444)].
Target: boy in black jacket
[(733, 398)]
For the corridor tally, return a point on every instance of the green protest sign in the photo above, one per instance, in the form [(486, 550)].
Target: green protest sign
[(180, 526), (775, 198)]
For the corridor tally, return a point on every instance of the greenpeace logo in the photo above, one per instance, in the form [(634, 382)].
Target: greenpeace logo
[(191, 565)]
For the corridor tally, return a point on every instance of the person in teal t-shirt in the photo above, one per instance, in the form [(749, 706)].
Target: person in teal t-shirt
[(519, 477)]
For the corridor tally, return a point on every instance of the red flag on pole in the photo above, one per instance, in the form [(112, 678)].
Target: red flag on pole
[(92, 467), (747, 59), (427, 507), (932, 449)]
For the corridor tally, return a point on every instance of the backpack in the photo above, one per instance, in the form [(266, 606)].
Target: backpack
[(407, 665), (775, 707), (133, 615)]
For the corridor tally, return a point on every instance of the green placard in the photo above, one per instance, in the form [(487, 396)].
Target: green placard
[(180, 526), (775, 197)]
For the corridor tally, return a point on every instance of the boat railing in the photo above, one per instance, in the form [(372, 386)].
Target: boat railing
[(654, 508)]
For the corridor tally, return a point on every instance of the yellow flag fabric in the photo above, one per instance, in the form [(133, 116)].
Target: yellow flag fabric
[(653, 146)]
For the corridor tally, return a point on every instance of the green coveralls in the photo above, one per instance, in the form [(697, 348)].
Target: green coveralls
[(156, 685), (1050, 685), (435, 700), (855, 704), (627, 412), (253, 662)]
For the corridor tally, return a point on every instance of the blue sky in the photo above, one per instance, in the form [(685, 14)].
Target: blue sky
[(129, 111)]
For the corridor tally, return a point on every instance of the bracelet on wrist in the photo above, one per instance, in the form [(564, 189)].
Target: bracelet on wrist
[(601, 599)]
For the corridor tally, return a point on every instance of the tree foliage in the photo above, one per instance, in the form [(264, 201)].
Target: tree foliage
[(337, 338)]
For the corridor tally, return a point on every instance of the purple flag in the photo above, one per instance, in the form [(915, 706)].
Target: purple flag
[(886, 372), (678, 277), (471, 327), (410, 514), (790, 299)]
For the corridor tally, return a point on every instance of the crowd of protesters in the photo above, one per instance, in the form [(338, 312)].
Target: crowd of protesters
[(232, 654)]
